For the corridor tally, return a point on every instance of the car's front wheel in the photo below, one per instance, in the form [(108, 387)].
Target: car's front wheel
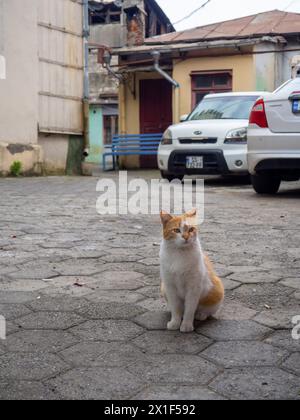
[(265, 184), (171, 177)]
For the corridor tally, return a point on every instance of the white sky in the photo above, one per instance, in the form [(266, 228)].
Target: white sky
[(219, 10)]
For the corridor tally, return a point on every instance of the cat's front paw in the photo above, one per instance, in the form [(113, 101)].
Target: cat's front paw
[(174, 325), (187, 327)]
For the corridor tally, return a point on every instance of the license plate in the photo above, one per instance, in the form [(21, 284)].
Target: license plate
[(296, 106), (194, 162)]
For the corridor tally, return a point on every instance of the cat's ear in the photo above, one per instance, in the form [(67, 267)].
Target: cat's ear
[(192, 213), (165, 217)]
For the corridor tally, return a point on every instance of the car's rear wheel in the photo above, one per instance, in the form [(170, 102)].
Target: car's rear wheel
[(264, 184), (171, 177)]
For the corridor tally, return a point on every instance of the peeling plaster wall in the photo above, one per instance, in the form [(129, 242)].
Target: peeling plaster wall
[(273, 69), (19, 87), (101, 82), (265, 67), (30, 155), (55, 149), (32, 65), (288, 59), (113, 35)]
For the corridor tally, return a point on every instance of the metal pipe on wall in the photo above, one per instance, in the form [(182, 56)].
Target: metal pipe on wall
[(107, 62), (122, 100), (176, 85), (156, 56), (176, 115), (86, 88)]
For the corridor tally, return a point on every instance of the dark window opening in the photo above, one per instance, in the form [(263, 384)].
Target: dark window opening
[(158, 28), (147, 23), (108, 14), (111, 128), (132, 12), (153, 26), (204, 83)]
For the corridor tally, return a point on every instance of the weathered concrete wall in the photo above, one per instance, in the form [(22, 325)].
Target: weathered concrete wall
[(30, 156), (113, 35), (19, 87), (265, 67), (274, 68), (55, 149), (41, 55), (100, 81), (288, 60)]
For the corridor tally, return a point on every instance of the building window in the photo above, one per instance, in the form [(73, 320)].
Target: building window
[(106, 15), (111, 129), (204, 83)]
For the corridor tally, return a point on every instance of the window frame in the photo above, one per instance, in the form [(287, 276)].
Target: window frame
[(214, 88), (111, 121)]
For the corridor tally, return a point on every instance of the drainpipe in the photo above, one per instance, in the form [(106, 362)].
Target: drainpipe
[(86, 90), (122, 101), (176, 85), (156, 55)]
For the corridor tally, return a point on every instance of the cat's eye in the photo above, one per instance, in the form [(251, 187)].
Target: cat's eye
[(177, 230), (191, 230)]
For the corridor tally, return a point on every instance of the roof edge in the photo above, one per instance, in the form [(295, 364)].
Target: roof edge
[(144, 49), (155, 40)]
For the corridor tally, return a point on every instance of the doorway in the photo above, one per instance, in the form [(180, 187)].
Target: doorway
[(156, 113)]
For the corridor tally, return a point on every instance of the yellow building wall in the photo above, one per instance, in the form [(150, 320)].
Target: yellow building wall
[(241, 66), (244, 79), (129, 99)]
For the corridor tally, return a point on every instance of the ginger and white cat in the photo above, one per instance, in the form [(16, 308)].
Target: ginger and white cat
[(189, 283)]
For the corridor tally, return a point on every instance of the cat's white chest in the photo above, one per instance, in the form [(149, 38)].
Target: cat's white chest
[(181, 269)]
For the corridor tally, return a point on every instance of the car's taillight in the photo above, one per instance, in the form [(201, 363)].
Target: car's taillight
[(258, 114)]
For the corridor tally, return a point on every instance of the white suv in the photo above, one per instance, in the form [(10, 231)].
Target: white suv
[(212, 140), (274, 138)]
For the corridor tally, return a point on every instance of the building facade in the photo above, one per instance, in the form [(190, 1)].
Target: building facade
[(255, 53), (115, 24), (41, 85)]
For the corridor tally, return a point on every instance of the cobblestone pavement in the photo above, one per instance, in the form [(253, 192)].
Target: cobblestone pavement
[(85, 320)]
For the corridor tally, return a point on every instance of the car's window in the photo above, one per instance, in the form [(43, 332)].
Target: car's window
[(224, 108)]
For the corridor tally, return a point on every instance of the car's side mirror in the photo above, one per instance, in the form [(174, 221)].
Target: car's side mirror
[(184, 117)]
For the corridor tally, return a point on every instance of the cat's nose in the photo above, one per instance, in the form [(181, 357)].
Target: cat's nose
[(185, 237)]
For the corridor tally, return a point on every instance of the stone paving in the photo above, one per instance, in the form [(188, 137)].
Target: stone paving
[(80, 293)]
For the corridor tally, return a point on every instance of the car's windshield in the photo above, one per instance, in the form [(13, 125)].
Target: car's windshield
[(224, 108)]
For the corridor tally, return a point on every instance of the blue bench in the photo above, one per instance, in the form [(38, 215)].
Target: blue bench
[(131, 145)]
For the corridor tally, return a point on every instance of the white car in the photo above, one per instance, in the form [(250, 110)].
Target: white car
[(274, 138), (212, 140)]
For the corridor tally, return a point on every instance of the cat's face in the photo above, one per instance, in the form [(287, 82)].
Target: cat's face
[(180, 230)]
